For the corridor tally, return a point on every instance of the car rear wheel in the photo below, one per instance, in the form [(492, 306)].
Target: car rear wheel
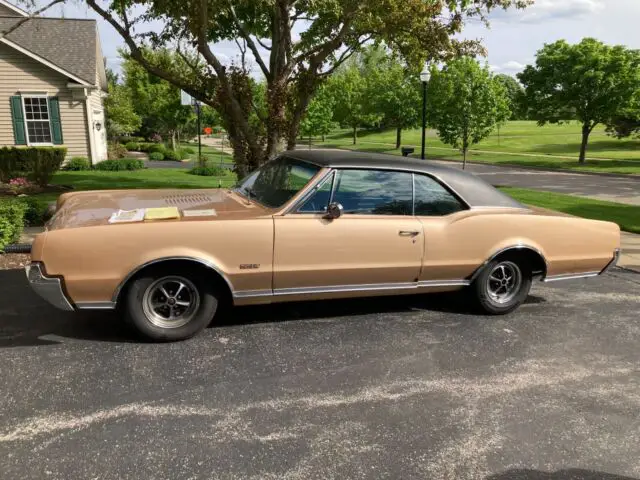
[(170, 306), (502, 286)]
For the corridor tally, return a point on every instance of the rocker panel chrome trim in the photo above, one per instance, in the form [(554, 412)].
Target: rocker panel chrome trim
[(351, 288), (570, 276)]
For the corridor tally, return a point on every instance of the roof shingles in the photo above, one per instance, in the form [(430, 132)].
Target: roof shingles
[(70, 44)]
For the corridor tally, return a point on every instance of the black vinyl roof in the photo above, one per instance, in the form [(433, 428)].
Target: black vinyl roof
[(473, 190)]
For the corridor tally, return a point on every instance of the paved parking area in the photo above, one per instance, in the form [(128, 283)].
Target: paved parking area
[(412, 387)]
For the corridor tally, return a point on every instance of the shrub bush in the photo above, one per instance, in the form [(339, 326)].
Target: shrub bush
[(208, 171), (116, 151), (132, 146), (189, 150), (156, 147), (37, 211), (124, 139), (120, 165), (156, 156), (40, 163), (78, 164), (11, 221)]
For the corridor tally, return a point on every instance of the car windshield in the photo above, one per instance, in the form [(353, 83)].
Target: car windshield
[(276, 182)]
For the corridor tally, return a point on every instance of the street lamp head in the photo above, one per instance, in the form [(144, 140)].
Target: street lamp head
[(425, 75)]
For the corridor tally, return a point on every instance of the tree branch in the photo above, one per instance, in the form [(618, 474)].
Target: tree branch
[(250, 43), (263, 45), (24, 20)]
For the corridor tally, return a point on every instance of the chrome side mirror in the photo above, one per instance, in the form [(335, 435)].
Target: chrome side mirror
[(334, 210)]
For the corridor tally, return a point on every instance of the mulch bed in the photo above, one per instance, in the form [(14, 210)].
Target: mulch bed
[(13, 261)]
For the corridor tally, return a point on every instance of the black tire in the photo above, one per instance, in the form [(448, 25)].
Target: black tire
[(149, 322), (484, 287)]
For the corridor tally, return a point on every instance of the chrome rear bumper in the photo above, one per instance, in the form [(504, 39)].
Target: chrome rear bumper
[(49, 288)]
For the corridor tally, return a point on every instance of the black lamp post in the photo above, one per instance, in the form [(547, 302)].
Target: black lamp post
[(424, 77)]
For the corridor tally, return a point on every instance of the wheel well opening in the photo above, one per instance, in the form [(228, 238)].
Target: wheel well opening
[(190, 265), (533, 259)]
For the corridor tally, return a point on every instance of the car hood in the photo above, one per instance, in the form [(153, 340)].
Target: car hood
[(92, 208)]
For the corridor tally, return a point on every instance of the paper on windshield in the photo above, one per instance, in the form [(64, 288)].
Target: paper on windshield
[(126, 216)]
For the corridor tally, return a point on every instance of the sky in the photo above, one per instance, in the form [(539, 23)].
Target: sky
[(512, 40)]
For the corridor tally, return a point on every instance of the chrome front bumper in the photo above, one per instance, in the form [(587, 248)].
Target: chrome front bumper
[(49, 288)]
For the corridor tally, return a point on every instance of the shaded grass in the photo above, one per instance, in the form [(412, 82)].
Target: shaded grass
[(627, 216)]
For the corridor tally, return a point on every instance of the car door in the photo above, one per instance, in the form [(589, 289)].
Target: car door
[(375, 243), (439, 210)]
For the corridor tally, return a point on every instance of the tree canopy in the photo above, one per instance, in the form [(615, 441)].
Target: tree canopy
[(590, 81), (121, 116), (466, 103), (293, 65), (515, 95)]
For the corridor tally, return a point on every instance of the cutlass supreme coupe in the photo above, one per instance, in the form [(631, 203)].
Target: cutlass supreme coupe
[(308, 225)]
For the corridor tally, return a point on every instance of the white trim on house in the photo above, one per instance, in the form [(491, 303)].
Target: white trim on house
[(26, 122), (45, 62), (14, 8), (93, 149)]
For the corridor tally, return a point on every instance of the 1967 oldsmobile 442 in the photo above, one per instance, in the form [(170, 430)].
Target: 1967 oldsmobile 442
[(309, 225)]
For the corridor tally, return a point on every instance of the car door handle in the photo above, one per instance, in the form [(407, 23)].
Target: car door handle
[(409, 233)]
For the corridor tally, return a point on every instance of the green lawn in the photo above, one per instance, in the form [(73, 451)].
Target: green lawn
[(519, 142), (214, 155), (148, 178), (627, 216)]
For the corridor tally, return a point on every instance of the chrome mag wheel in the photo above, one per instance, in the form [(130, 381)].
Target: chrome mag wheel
[(171, 302), (504, 282)]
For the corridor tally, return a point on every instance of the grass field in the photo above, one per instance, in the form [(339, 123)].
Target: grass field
[(627, 216), (519, 142)]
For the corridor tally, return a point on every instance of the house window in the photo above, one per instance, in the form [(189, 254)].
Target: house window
[(36, 114)]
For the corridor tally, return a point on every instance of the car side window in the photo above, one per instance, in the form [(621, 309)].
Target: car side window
[(432, 199), (374, 192), (318, 201)]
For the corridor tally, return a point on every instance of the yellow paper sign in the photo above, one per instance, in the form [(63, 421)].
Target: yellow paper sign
[(166, 213)]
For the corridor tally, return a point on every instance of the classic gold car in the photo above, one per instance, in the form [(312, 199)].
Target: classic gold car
[(308, 225)]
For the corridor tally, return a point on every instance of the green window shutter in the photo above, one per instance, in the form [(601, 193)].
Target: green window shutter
[(17, 115), (54, 120)]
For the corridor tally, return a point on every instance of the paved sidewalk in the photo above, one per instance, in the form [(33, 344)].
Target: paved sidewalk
[(630, 252)]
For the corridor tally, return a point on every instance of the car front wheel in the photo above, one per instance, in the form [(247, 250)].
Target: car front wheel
[(502, 286), (170, 306)]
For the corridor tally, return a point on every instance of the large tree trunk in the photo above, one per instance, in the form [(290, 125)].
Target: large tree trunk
[(586, 131), (173, 140), (398, 137), (355, 135)]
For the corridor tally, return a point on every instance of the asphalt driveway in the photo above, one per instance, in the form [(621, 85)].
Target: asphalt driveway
[(413, 387)]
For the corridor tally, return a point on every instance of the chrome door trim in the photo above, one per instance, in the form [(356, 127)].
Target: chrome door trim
[(570, 276), (311, 191), (131, 274)]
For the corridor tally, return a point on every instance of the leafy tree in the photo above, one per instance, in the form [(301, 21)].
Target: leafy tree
[(590, 81), (121, 117), (293, 65), (319, 117), (393, 92), (466, 103), (155, 100), (348, 86), (515, 95)]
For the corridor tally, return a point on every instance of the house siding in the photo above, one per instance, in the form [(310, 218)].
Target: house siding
[(7, 12), (22, 74)]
